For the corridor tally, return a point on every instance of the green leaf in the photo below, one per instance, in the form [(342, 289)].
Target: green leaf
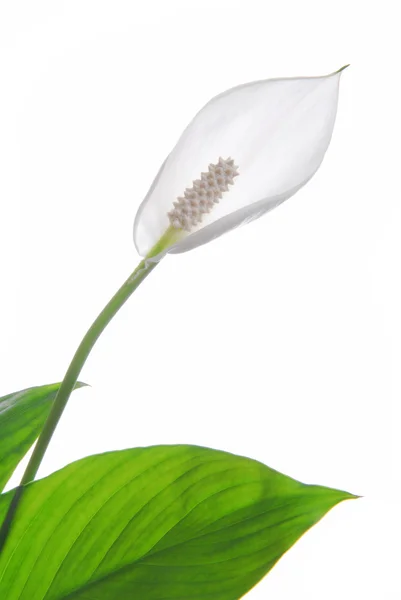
[(22, 416), (158, 523)]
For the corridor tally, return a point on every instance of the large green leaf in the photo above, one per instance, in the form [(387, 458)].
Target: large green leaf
[(158, 523), (22, 416)]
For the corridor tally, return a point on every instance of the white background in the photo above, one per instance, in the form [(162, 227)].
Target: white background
[(280, 341)]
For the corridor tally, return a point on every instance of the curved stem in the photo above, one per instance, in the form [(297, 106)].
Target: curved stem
[(129, 286), (78, 361)]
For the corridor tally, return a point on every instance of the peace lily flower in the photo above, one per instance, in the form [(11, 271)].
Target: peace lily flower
[(244, 153)]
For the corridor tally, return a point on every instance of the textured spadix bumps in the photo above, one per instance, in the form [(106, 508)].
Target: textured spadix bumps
[(205, 192), (276, 130)]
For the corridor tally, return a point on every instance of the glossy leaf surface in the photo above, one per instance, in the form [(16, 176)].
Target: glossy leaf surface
[(157, 523)]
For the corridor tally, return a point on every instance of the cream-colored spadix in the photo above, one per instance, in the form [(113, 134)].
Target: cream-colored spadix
[(276, 131)]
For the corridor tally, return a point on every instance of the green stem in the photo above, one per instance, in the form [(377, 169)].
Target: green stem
[(129, 286), (78, 362)]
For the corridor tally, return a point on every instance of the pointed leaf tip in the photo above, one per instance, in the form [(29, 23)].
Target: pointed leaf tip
[(341, 495), (81, 384), (343, 68), (332, 496), (348, 496)]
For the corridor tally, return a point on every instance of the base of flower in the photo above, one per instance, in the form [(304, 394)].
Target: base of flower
[(168, 239)]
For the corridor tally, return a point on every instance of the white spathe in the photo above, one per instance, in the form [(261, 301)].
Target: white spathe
[(276, 130)]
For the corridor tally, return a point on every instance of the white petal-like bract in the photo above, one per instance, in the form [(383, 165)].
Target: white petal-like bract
[(277, 131)]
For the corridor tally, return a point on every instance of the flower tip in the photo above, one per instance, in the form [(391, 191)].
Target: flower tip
[(342, 69)]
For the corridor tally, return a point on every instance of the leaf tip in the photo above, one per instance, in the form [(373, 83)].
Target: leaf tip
[(81, 384), (342, 496), (353, 497), (334, 496)]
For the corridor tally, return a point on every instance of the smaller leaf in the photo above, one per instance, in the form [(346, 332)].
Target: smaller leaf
[(22, 416)]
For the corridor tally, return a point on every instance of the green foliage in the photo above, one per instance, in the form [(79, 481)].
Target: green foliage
[(22, 416), (165, 522)]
